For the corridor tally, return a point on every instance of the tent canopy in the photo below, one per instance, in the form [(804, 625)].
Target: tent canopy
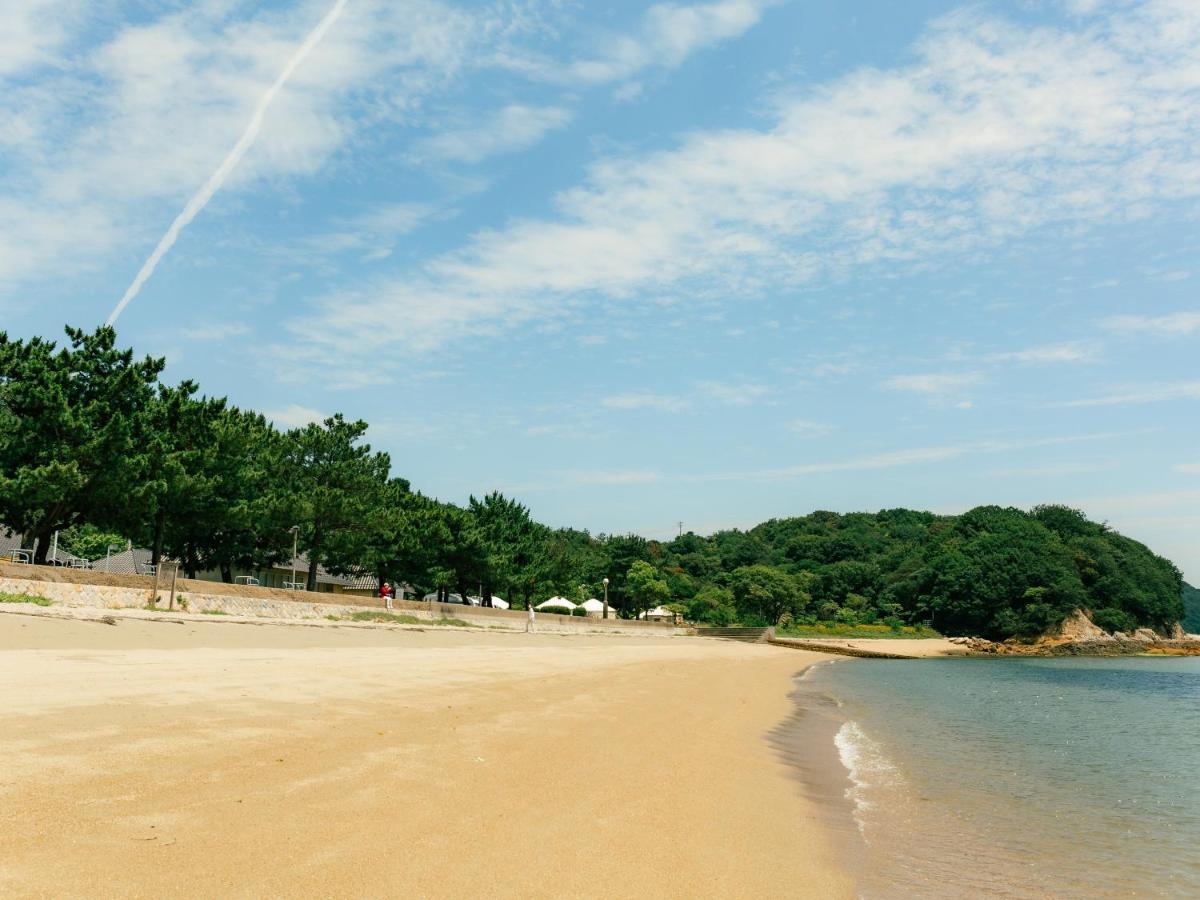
[(593, 605)]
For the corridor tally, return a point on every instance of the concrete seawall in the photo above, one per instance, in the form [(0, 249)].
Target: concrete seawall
[(100, 590)]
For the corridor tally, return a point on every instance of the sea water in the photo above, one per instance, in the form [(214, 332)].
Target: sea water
[(1016, 777)]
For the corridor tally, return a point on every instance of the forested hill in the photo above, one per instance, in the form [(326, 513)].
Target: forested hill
[(96, 450), (993, 571), (1191, 609)]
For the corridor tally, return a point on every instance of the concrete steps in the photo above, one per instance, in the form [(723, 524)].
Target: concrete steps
[(747, 635)]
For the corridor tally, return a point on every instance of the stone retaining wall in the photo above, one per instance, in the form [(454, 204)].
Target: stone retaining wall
[(100, 590)]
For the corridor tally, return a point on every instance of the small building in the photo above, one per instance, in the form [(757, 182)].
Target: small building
[(659, 614)]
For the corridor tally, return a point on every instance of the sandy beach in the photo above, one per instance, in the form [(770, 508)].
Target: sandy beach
[(215, 759)]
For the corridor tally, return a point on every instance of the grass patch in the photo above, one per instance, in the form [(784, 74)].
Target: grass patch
[(24, 598), (401, 619), (213, 612), (857, 631), (393, 618)]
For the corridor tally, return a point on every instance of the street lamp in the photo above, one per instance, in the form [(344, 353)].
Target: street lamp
[(606, 598), (295, 530)]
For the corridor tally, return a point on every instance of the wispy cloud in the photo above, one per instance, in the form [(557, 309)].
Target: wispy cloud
[(512, 128), (214, 331), (896, 166), (1171, 325), (633, 400), (734, 393), (1137, 394), (809, 428), (1188, 468), (1069, 352), (667, 35), (933, 384), (295, 416)]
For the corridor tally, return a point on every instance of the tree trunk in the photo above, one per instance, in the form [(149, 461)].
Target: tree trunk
[(160, 524), (227, 572), (487, 597), (43, 546), (311, 583)]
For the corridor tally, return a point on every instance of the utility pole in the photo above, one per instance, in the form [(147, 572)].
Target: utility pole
[(681, 529)]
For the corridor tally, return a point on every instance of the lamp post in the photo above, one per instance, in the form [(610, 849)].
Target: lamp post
[(295, 530), (606, 598), (108, 557)]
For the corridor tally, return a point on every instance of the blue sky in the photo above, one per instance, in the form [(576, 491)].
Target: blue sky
[(638, 264)]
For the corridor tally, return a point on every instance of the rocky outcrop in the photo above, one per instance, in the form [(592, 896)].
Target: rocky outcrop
[(1078, 635), (1077, 627)]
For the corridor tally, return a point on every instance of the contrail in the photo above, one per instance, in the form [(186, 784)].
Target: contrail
[(229, 163)]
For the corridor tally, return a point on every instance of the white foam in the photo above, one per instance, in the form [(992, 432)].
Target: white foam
[(867, 765)]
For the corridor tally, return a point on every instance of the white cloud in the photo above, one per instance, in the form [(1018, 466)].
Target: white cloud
[(1188, 468), (1170, 325), (933, 383), (808, 428), (103, 150), (512, 128), (667, 35), (1138, 394), (734, 393), (32, 32), (994, 131), (1073, 351), (295, 416), (214, 331), (645, 400), (898, 458), (373, 232)]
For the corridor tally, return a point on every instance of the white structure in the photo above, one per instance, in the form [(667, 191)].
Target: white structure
[(658, 614), (499, 603), (556, 601), (594, 608)]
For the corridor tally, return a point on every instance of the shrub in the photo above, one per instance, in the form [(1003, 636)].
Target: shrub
[(893, 623), (555, 610), (1114, 620), (580, 612)]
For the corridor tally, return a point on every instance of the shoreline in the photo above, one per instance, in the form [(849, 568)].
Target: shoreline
[(190, 759)]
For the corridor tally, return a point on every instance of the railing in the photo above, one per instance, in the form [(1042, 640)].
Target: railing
[(19, 556)]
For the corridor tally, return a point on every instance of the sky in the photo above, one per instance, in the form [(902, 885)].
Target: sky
[(644, 266)]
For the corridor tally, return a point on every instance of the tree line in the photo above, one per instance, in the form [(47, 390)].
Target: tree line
[(93, 445)]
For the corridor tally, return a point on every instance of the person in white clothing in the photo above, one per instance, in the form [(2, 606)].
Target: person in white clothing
[(529, 620)]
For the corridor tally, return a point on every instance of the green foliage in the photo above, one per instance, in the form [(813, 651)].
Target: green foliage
[(555, 610), (1111, 619), (645, 588), (1191, 609), (24, 598), (73, 426), (335, 486), (88, 542), (765, 593), (831, 629)]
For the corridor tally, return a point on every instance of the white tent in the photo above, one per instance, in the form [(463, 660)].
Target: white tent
[(556, 601), (499, 603), (594, 607)]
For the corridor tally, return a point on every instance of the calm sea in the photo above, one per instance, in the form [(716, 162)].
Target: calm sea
[(1014, 778)]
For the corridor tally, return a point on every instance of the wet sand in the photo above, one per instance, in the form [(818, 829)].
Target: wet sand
[(214, 759)]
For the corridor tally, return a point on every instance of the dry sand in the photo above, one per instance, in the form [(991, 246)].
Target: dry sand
[(212, 759)]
